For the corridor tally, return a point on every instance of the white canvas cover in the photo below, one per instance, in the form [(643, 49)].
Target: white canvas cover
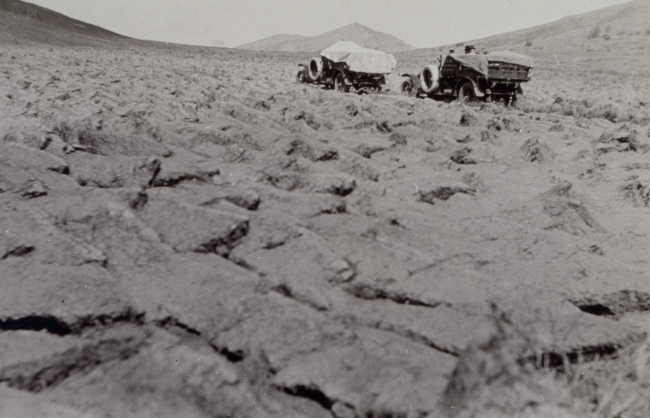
[(360, 59)]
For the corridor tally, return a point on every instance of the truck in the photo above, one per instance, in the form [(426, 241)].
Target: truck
[(471, 77), (346, 65)]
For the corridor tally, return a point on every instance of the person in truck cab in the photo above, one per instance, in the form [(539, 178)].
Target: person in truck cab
[(470, 49)]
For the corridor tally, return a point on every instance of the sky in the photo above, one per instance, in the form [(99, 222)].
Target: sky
[(230, 23)]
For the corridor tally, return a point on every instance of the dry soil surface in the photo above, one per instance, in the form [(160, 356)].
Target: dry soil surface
[(187, 232)]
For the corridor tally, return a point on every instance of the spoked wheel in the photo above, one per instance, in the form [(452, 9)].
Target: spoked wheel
[(339, 83), (301, 77), (466, 93), (408, 88)]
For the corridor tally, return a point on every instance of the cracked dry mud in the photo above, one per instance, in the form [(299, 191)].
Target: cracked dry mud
[(184, 232)]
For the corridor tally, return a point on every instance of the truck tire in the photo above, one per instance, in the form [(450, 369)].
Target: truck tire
[(429, 79), (408, 88), (301, 77), (339, 83), (466, 93), (316, 68)]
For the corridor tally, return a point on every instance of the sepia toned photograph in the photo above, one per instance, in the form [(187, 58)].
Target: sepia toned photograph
[(324, 209)]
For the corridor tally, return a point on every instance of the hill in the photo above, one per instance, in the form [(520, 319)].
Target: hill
[(186, 231), (354, 32), (597, 40), (611, 23), (25, 22), (190, 233)]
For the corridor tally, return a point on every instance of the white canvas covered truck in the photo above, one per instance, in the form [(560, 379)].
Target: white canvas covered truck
[(346, 65)]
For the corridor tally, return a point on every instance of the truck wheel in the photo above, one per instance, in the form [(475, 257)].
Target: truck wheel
[(408, 88), (301, 77), (339, 83), (466, 93)]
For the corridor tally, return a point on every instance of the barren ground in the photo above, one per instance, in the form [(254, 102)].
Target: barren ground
[(186, 232)]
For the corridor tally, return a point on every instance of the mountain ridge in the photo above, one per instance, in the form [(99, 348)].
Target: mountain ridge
[(28, 22), (609, 21), (355, 32), (600, 40)]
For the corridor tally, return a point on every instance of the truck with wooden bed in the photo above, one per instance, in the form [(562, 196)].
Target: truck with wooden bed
[(471, 77)]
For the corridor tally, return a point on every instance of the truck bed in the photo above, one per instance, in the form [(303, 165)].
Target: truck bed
[(507, 71), (459, 66)]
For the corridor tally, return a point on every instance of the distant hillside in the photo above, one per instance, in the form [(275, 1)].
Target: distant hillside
[(600, 40), (354, 32), (611, 22), (26, 22)]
